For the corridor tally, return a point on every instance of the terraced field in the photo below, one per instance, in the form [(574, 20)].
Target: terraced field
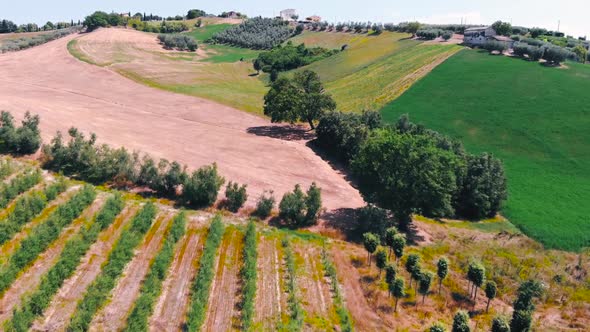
[(96, 260)]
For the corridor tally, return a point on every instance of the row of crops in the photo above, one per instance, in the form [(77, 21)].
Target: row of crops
[(53, 214)]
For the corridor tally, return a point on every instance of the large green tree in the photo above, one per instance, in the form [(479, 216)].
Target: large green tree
[(502, 28), (406, 173), (302, 98)]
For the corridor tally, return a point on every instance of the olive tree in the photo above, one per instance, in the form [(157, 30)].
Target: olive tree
[(442, 269), (381, 260), (424, 283), (396, 288), (490, 289), (202, 186)]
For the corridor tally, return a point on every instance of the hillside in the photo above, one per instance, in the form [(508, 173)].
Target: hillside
[(535, 118), (110, 245)]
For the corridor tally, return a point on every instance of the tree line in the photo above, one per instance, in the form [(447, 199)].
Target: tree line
[(287, 57), (21, 43), (256, 33), (7, 26)]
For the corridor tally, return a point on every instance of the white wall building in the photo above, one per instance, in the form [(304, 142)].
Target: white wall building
[(478, 36), (288, 14)]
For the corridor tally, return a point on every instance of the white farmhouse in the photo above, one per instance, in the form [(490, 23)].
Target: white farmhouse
[(479, 35), (288, 15)]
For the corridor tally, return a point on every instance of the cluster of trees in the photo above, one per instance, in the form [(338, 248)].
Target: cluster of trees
[(22, 140), (289, 56), (178, 42), (13, 45), (535, 50), (101, 19), (299, 209), (248, 274), (44, 234), (202, 284), (99, 291), (302, 98), (163, 27), (256, 33), (430, 34), (36, 303), (7, 26), (194, 13), (152, 285)]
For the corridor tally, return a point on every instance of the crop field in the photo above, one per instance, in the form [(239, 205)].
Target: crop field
[(118, 262), (535, 118)]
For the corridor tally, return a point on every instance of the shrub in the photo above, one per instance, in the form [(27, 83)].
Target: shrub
[(202, 187), (265, 204), (461, 322), (178, 42), (22, 140), (256, 33), (500, 324), (447, 35), (201, 286), (429, 34), (99, 291), (301, 209), (152, 285), (235, 196), (492, 45)]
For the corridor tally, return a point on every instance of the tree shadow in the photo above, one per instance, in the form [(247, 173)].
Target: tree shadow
[(344, 220), (283, 132), (336, 164)]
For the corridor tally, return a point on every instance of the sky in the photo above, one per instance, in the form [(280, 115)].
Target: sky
[(573, 15)]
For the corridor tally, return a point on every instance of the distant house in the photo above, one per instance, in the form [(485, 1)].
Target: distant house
[(233, 14), (478, 36), (314, 19), (288, 15)]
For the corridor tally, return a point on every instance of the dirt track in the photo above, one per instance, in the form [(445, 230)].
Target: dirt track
[(270, 299), (48, 81)]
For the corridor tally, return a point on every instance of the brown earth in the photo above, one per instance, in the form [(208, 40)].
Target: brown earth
[(63, 305), (172, 306), (65, 92), (113, 316), (30, 279), (270, 301), (222, 314)]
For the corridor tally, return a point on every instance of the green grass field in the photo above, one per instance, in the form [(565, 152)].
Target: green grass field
[(373, 70), (535, 118)]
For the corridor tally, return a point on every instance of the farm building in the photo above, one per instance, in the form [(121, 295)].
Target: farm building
[(478, 35), (288, 15), (314, 18)]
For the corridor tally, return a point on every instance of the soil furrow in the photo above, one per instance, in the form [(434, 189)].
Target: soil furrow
[(222, 311), (269, 297), (8, 248), (112, 316), (29, 280), (172, 306), (64, 304)]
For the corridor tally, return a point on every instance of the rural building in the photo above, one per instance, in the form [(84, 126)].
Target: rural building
[(288, 15), (233, 14), (478, 35), (314, 19)]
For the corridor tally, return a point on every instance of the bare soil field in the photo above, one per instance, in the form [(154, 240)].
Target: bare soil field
[(222, 311), (65, 92), (172, 306), (271, 301), (112, 317), (62, 307), (30, 279)]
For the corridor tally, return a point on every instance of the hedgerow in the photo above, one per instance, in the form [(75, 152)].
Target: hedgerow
[(35, 304), (201, 286), (43, 235), (296, 313), (18, 185), (27, 207), (346, 324), (249, 275), (98, 292), (152, 285), (256, 33)]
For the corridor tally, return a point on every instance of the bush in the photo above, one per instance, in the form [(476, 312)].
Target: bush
[(301, 209), (99, 291), (447, 35), (492, 45), (202, 284), (265, 204), (256, 33), (555, 55), (429, 34), (235, 196), (22, 140), (202, 187), (178, 42)]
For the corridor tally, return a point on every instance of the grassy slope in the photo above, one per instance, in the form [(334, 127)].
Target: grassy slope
[(374, 69), (534, 118)]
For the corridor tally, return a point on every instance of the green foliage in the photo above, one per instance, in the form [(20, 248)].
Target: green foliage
[(502, 28), (256, 33), (476, 273), (44, 234), (424, 283), (500, 324), (390, 234), (6, 168), (265, 204), (346, 324), (522, 317), (25, 139), (429, 34), (492, 45), (373, 219), (18, 185), (248, 274), (151, 287), (381, 259), (461, 322), (397, 289), (442, 269), (581, 52), (235, 196), (35, 304), (299, 209), (299, 99), (521, 321), (287, 57), (341, 134), (194, 13), (26, 208), (371, 242), (412, 263), (399, 242), (406, 173), (490, 289), (555, 55), (296, 313), (437, 327), (101, 19), (202, 187), (390, 273), (543, 162), (447, 35), (98, 292), (202, 284), (178, 42)]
